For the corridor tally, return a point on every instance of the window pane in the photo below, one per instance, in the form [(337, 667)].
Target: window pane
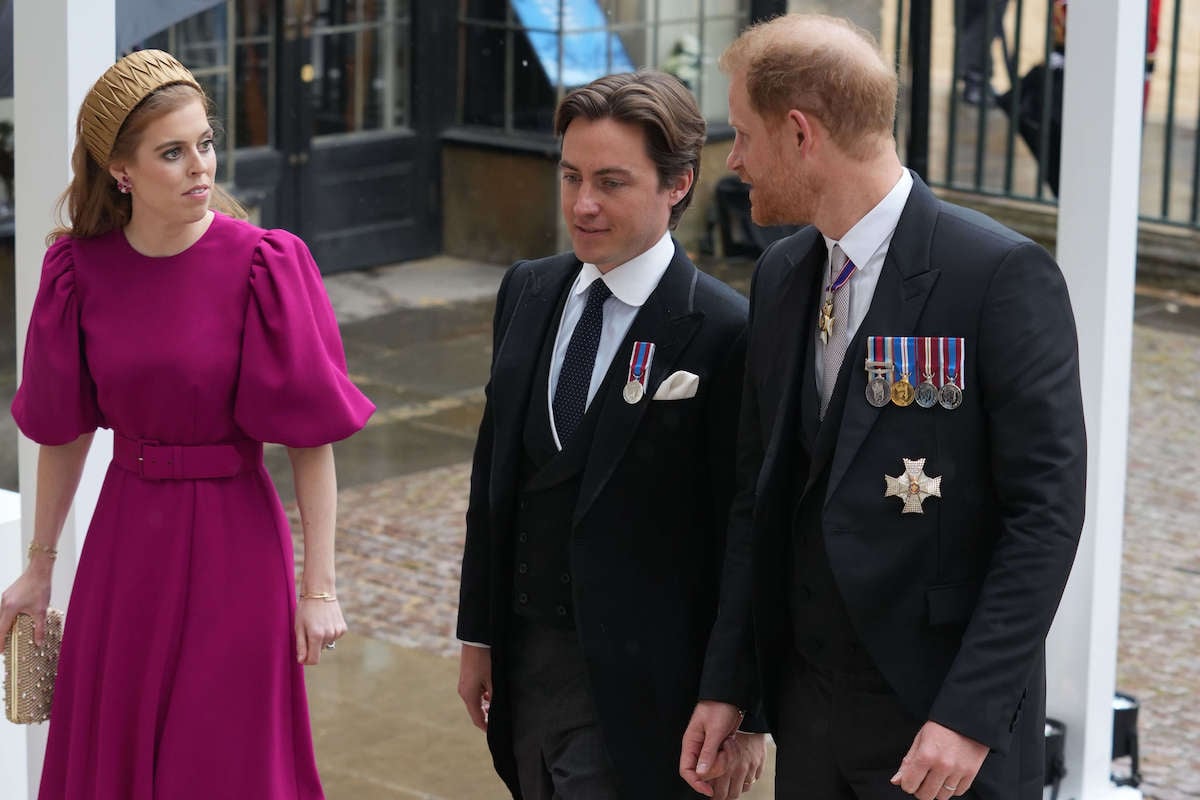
[(679, 52), (347, 92), (254, 18), (216, 86), (679, 10), (714, 84), (723, 7), (494, 10), (341, 12), (481, 92), (201, 41), (254, 95), (596, 37)]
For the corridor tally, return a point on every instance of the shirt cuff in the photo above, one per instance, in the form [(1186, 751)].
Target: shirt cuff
[(476, 644)]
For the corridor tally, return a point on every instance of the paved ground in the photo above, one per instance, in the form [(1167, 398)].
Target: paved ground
[(1159, 659)]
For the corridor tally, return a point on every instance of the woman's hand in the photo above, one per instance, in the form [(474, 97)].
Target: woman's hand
[(29, 594), (319, 623)]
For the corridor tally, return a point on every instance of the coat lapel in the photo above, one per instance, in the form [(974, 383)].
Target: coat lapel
[(668, 320), (797, 305), (900, 296), (513, 375)]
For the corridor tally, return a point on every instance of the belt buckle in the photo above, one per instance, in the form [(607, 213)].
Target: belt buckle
[(142, 445)]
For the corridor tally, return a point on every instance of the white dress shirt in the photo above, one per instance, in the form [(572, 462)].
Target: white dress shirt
[(631, 283), (866, 244)]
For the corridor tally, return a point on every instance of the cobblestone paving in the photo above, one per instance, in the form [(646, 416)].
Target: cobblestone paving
[(400, 544), (1159, 650), (399, 552)]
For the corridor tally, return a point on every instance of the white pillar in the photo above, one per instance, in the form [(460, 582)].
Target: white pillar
[(60, 47), (1097, 247), (13, 769)]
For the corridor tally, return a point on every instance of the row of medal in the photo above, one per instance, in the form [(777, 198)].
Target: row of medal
[(926, 370)]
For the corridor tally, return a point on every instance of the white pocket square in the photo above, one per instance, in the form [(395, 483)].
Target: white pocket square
[(678, 386)]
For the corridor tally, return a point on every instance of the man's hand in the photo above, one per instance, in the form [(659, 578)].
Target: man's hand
[(475, 682), (700, 759), (940, 764), (744, 754)]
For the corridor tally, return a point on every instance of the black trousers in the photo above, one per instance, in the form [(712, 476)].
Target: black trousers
[(974, 48), (841, 736), (556, 736)]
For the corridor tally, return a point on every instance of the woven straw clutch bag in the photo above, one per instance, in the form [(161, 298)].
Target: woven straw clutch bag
[(30, 670)]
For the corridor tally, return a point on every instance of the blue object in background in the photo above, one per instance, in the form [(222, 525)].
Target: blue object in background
[(587, 55)]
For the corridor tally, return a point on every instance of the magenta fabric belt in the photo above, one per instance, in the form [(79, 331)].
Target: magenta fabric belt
[(156, 461)]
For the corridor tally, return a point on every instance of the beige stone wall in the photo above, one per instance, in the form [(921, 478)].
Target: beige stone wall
[(498, 206)]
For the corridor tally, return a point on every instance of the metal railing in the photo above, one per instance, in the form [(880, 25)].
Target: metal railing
[(1001, 135)]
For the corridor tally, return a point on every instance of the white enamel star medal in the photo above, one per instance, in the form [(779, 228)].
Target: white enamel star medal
[(913, 486)]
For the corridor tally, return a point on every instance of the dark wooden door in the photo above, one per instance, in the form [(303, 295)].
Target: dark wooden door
[(358, 131)]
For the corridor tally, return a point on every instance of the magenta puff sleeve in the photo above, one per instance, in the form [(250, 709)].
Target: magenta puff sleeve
[(292, 384), (56, 401)]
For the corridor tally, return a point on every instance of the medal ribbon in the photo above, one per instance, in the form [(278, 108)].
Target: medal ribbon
[(941, 346), (961, 362), (639, 361), (927, 357), (842, 276), (951, 345), (887, 356), (901, 344), (874, 352), (910, 354)]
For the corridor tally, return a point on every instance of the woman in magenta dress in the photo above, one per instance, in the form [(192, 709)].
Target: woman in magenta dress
[(195, 336)]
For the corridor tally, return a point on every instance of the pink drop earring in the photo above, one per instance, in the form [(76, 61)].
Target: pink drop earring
[(123, 185)]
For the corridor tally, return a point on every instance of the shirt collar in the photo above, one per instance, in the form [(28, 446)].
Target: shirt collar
[(633, 281), (869, 234)]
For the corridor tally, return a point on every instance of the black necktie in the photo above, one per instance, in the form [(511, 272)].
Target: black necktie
[(575, 376)]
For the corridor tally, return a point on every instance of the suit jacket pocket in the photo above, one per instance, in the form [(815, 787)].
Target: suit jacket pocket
[(951, 603)]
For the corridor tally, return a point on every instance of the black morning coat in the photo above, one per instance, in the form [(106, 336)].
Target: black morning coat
[(953, 605), (648, 532)]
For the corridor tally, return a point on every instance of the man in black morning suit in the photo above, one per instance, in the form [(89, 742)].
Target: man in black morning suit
[(603, 472), (900, 565)]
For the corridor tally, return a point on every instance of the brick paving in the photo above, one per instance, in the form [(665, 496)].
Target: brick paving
[(400, 542), (1159, 647)]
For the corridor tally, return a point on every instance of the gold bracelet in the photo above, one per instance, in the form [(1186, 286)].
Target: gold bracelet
[(325, 597), (35, 548)]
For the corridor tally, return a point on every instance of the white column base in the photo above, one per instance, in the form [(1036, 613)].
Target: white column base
[(1113, 793)]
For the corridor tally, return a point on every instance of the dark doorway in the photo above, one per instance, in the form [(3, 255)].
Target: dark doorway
[(360, 173)]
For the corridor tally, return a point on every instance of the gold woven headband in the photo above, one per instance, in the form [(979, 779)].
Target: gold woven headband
[(119, 90)]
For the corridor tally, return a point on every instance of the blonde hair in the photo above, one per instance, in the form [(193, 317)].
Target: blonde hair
[(824, 66), (92, 202)]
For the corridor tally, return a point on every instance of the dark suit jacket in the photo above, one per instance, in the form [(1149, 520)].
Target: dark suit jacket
[(953, 605), (648, 530)]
